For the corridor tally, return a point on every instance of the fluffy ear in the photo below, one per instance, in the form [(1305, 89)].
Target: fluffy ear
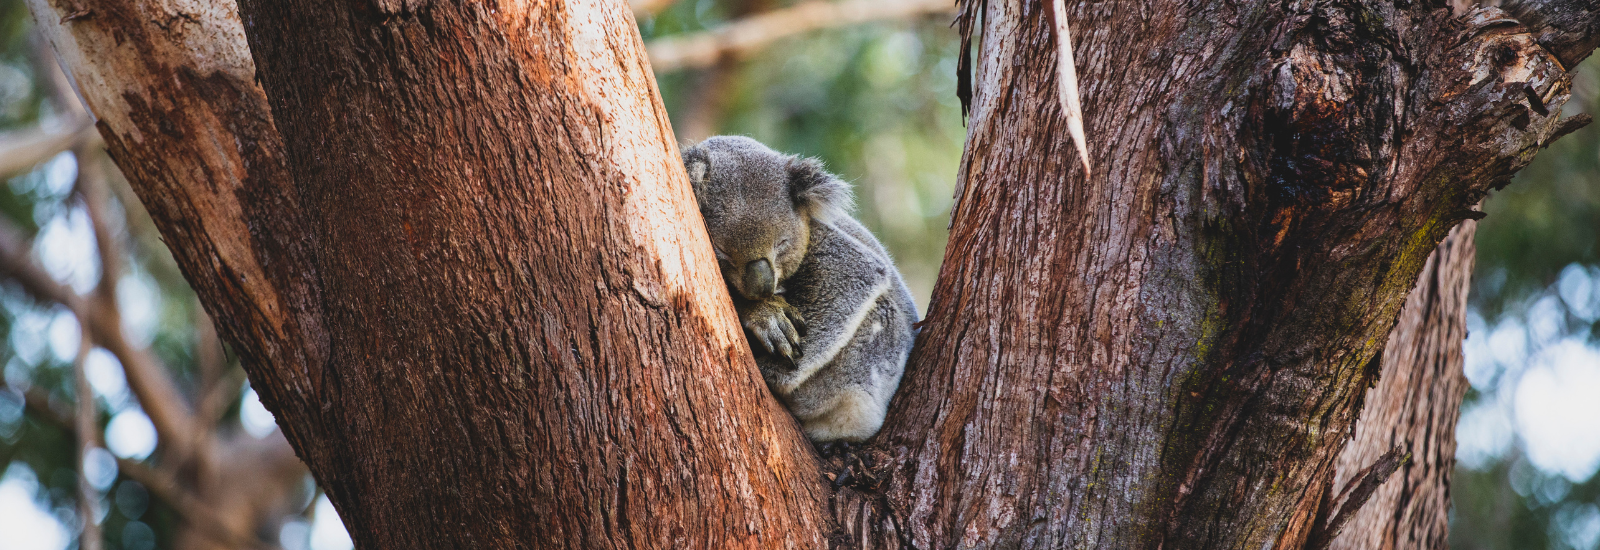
[(816, 193), (697, 163)]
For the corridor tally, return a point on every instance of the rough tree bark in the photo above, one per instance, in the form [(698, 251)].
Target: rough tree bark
[(464, 287), (1172, 354), (1414, 408), (462, 278)]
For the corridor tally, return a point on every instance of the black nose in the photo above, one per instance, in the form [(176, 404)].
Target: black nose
[(758, 279)]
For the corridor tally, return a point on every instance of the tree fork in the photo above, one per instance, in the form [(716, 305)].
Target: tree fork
[(460, 279)]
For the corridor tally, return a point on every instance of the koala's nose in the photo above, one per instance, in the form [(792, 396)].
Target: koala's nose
[(758, 279)]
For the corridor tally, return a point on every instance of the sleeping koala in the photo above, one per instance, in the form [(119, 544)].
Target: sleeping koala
[(826, 312)]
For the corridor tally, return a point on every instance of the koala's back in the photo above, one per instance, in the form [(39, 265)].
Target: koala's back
[(860, 314)]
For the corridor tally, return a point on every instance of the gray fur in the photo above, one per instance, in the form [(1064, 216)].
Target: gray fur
[(832, 336)]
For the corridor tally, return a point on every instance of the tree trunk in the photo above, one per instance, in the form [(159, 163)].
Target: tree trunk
[(464, 287), (1414, 408), (1172, 354), (462, 278)]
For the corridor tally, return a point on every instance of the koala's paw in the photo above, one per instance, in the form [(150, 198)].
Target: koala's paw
[(775, 327)]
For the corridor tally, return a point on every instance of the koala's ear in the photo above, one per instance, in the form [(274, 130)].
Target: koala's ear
[(816, 193), (697, 163)]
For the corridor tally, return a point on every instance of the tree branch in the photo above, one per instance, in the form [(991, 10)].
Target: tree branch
[(1569, 29), (163, 484), (88, 428), (195, 511), (748, 35), (157, 394), (20, 151), (219, 385), (648, 8)]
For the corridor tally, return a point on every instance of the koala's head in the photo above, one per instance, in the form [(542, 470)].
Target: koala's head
[(758, 205)]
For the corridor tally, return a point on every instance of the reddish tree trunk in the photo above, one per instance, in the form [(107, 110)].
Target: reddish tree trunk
[(524, 340), (1172, 354)]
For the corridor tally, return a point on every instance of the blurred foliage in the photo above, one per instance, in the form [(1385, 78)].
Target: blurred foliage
[(1511, 504), (877, 104), (1536, 286), (1548, 217)]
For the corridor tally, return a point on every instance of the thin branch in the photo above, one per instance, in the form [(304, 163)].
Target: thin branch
[(220, 382), (649, 8), (166, 487), (22, 150), (157, 394), (715, 87), (15, 264), (163, 484), (87, 429), (748, 35), (95, 193), (150, 382)]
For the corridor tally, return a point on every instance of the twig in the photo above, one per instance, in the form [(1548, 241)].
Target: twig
[(147, 378), (21, 151), (165, 486), (159, 482), (149, 381), (715, 86), (87, 429), (750, 34), (648, 8), (219, 384), (94, 192)]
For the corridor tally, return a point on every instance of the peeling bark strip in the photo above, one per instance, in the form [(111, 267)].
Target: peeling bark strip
[(1174, 356)]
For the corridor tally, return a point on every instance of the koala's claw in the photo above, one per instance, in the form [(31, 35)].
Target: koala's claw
[(774, 326)]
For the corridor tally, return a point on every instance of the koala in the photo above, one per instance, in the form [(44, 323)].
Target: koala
[(825, 310)]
